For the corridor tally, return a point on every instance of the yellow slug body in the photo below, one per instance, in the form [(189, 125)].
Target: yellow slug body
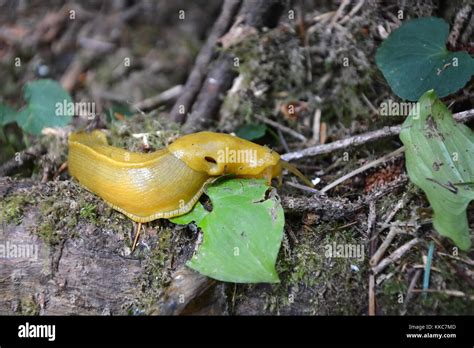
[(167, 182)]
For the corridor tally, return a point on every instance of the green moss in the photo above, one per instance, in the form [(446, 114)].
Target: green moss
[(157, 272), (158, 135), (48, 233), (88, 212), (28, 306), (12, 208)]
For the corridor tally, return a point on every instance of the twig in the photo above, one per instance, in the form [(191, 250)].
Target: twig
[(394, 211), (343, 143), (316, 125), (219, 79), (335, 207), (371, 294), (468, 261), (339, 11), (455, 293), (282, 140), (209, 99), (361, 139), (281, 127), (363, 168), (461, 17), (354, 10), (396, 255), (369, 104), (21, 159), (203, 60), (386, 243), (303, 187), (370, 225), (411, 287), (162, 98)]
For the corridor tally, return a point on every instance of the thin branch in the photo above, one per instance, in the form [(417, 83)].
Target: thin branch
[(303, 187), (203, 60), (361, 139), (21, 159), (396, 255), (386, 243), (162, 98), (363, 168), (284, 129)]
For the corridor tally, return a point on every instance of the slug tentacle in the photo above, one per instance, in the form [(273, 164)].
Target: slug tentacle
[(293, 170), (167, 182)]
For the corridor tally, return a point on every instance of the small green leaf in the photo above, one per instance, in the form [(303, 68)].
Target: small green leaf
[(251, 131), (7, 114), (241, 235), (440, 160), (44, 98), (414, 59), (196, 215)]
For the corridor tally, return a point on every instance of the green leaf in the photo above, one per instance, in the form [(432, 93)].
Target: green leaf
[(241, 235), (43, 98), (251, 131), (440, 160), (7, 114), (414, 59)]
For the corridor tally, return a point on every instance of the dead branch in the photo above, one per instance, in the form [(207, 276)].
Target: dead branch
[(209, 100), (281, 127), (23, 158), (361, 139), (204, 58), (396, 255), (333, 208), (219, 79), (159, 99)]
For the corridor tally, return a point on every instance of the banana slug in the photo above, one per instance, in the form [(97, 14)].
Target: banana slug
[(169, 181)]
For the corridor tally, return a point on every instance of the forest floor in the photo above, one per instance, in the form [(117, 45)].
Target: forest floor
[(318, 64)]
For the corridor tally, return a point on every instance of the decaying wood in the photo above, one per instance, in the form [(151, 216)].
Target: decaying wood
[(69, 278), (204, 58), (210, 98), (330, 208), (23, 158), (89, 272), (253, 13), (186, 286)]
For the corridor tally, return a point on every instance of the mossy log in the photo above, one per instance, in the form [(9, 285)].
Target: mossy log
[(59, 258)]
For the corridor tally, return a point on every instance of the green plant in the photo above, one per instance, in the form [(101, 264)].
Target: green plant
[(414, 59), (440, 160), (241, 235), (41, 110)]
